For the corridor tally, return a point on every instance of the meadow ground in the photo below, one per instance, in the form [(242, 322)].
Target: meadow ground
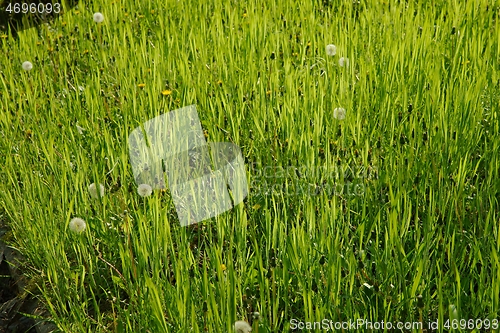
[(389, 214)]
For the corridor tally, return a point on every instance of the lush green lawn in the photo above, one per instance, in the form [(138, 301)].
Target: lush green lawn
[(346, 219)]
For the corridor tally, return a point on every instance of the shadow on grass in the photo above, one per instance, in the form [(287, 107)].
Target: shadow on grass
[(20, 310), (17, 15)]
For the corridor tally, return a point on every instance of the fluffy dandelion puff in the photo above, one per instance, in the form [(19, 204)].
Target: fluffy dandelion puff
[(98, 17), (27, 66), (93, 191), (339, 113), (343, 62), (242, 327), (144, 190), (331, 50), (77, 225)]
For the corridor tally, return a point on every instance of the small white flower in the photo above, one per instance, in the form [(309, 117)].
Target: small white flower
[(98, 17), (77, 225), (27, 66), (344, 62), (331, 50), (144, 190), (93, 190), (242, 327), (339, 113), (80, 129)]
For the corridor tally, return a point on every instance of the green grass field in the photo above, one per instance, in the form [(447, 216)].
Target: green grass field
[(391, 214)]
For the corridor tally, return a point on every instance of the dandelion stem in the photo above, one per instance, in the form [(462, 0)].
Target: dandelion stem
[(99, 255)]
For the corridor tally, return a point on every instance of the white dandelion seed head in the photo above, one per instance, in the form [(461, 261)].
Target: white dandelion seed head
[(93, 191), (27, 66), (98, 17), (331, 50), (339, 113), (344, 62), (144, 190), (242, 327), (77, 225)]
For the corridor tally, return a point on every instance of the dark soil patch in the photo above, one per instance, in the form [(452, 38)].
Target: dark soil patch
[(11, 305), (19, 310)]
